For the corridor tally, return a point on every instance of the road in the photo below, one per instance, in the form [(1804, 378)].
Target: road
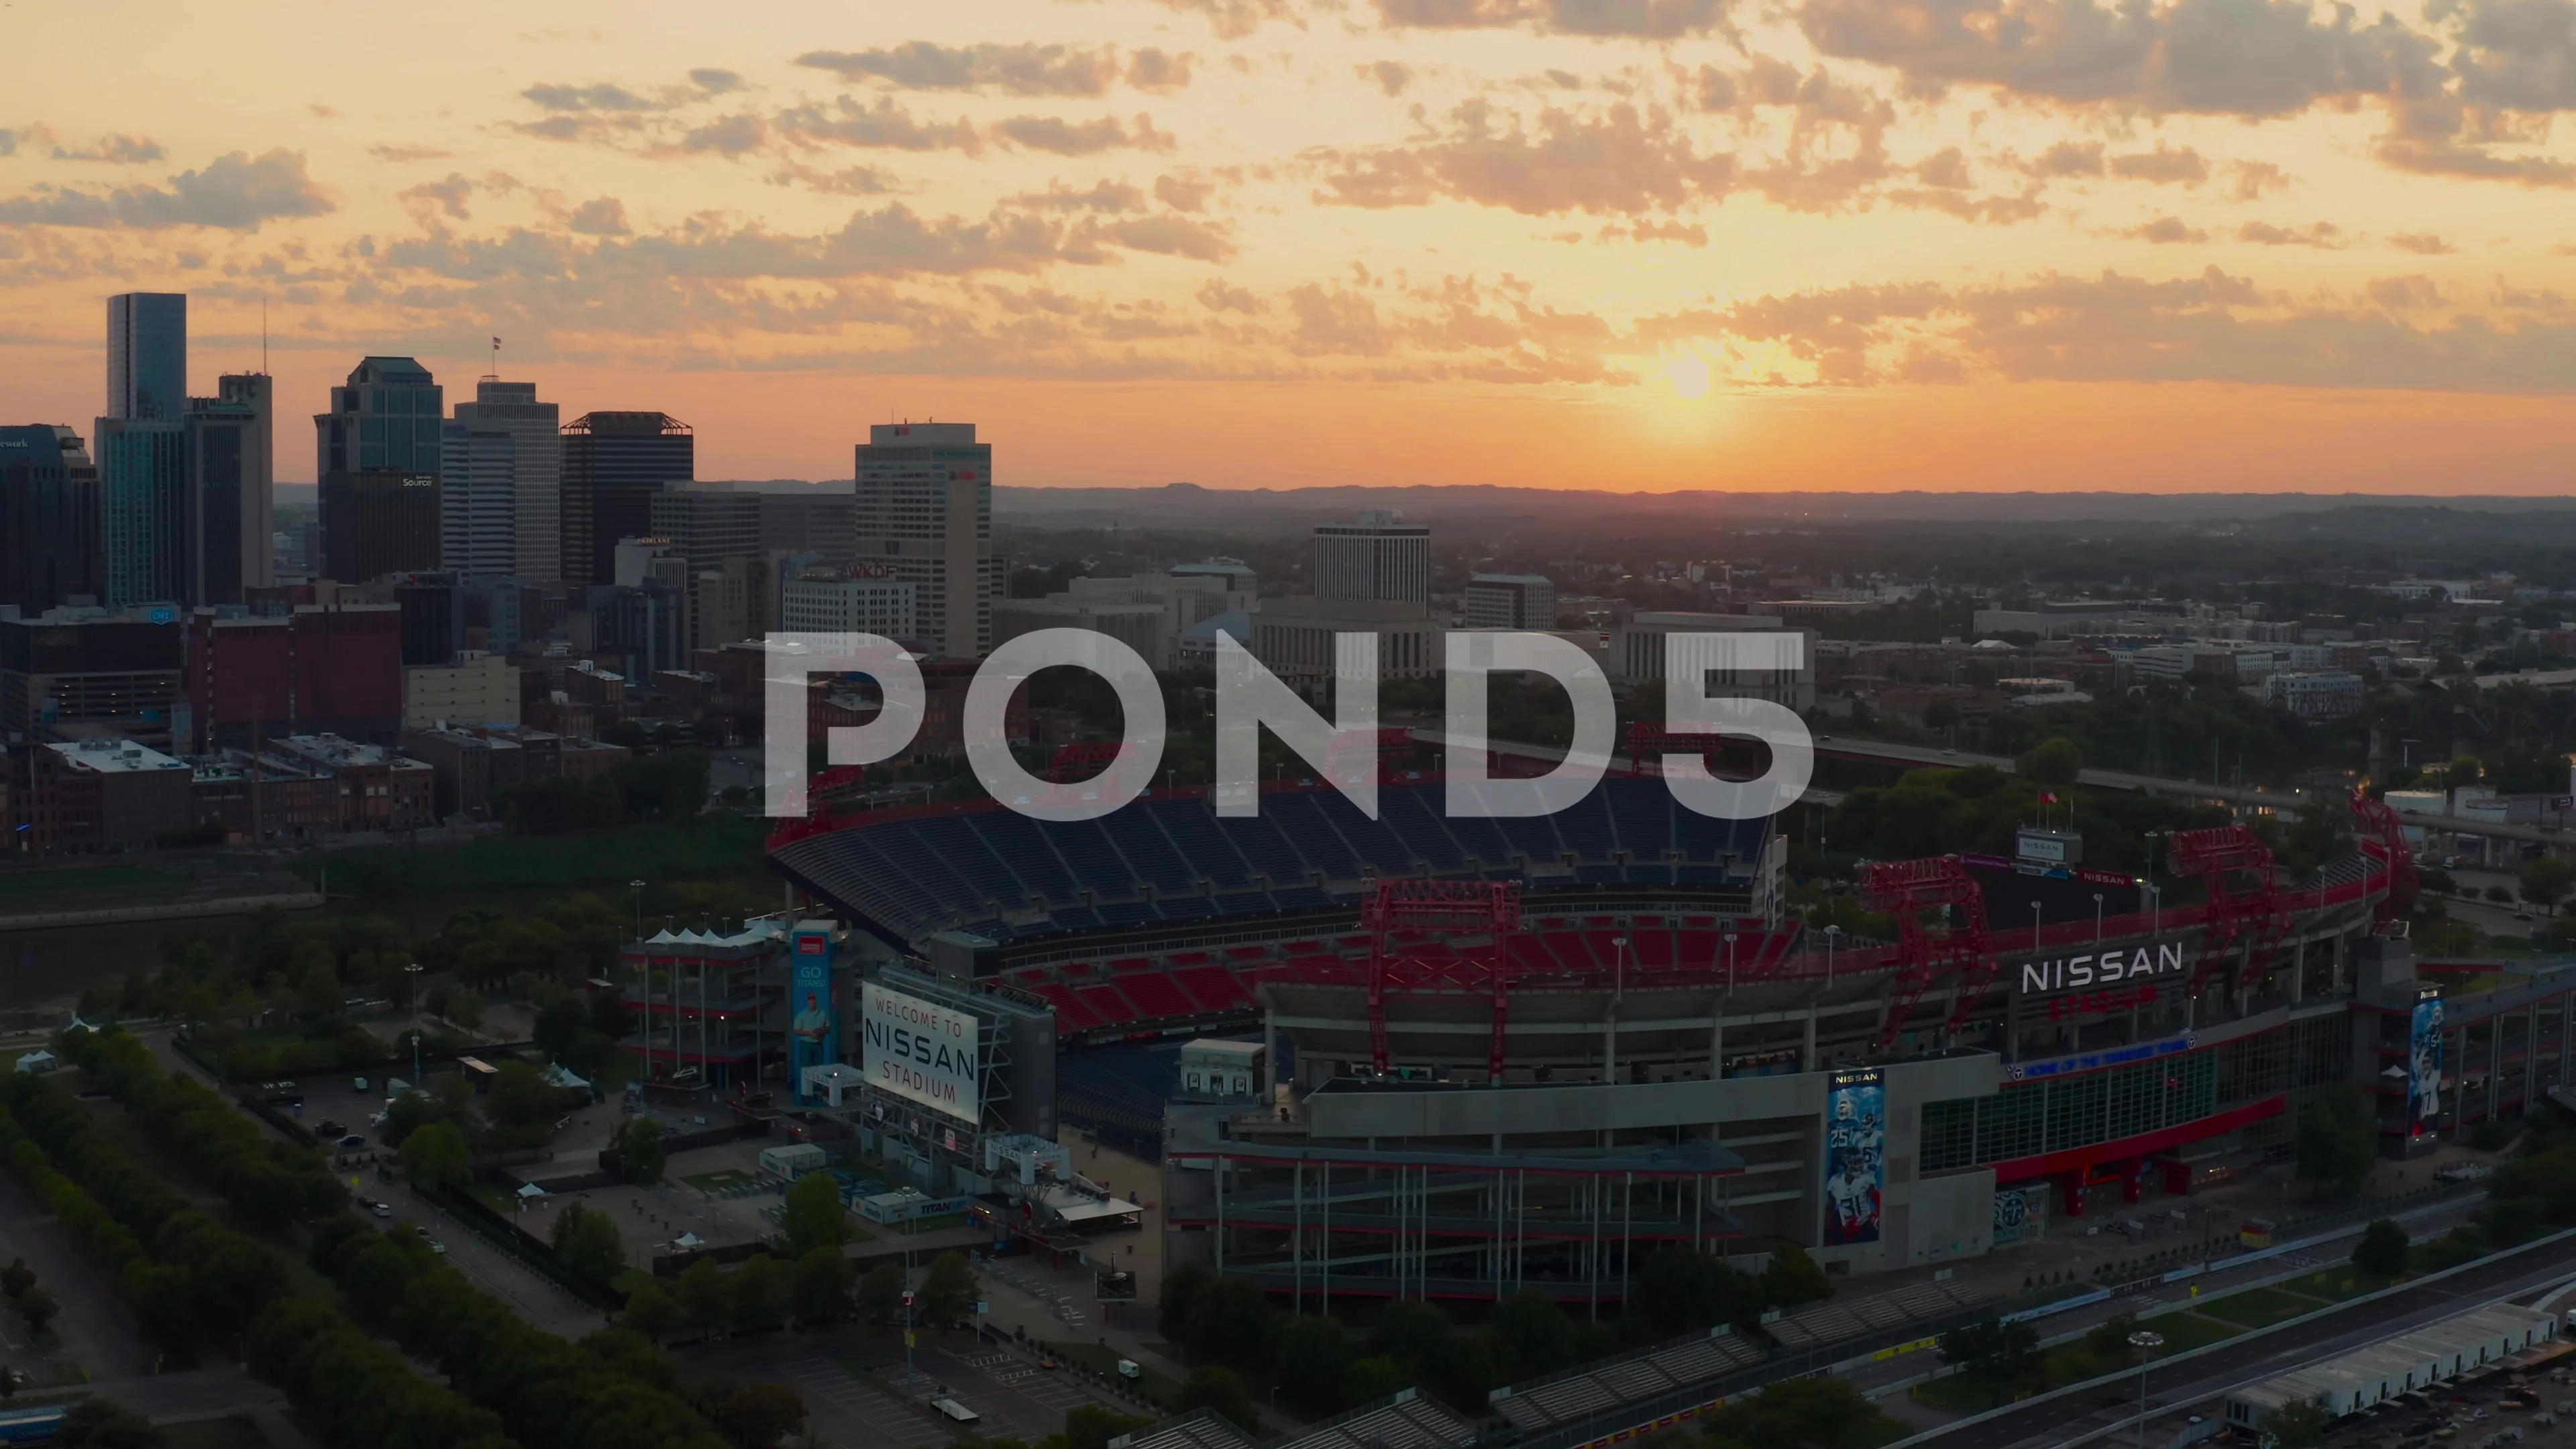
[(2249, 1360)]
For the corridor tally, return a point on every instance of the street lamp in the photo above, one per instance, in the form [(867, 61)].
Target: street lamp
[(2097, 918), (2034, 925), (2144, 1340), (413, 971), (637, 886), (1618, 966), (1730, 963), (1833, 936)]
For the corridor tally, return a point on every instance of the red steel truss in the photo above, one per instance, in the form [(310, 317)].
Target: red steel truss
[(1940, 929), (2384, 835), (1474, 917), (2244, 906), (1648, 739), (823, 793)]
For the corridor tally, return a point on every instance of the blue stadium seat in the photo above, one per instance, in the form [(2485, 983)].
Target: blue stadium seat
[(1149, 852), (1316, 842), (1193, 831)]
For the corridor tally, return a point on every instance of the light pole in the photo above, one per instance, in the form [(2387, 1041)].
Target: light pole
[(2097, 919), (1730, 963), (637, 886), (1833, 937), (2144, 1340), (2034, 927), (413, 971), (1618, 966)]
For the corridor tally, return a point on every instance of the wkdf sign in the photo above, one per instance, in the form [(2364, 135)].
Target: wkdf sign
[(921, 1051)]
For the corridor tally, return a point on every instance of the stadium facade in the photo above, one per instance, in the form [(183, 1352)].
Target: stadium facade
[(1506, 1054)]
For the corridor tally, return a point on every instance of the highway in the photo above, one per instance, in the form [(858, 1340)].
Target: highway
[(2106, 1402)]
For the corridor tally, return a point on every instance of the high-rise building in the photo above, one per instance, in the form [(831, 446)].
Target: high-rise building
[(335, 667), (378, 523), (143, 485), (536, 473), (255, 392), (147, 354), (716, 529), (50, 552), (1509, 601), (811, 520), (613, 464), (226, 440), (925, 516), (1380, 558), (91, 672), (377, 460), (836, 599), (477, 499)]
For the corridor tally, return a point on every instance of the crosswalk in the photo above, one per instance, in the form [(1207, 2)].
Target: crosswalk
[(1028, 1380), (884, 1420)]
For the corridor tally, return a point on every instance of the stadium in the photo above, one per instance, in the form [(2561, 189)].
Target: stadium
[(1492, 1055)]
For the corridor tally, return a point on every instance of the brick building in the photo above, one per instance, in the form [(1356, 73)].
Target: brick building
[(316, 669), (104, 795), (378, 789)]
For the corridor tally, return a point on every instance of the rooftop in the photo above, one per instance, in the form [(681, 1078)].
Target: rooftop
[(115, 757)]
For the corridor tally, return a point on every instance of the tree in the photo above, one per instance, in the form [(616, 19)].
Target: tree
[(1181, 1289), (559, 1021), (520, 1103), (588, 1245), (2546, 881), (1229, 1322), (2300, 1424), (881, 1293), (2337, 1142), (640, 1155), (702, 1296), (821, 1287), (1792, 1278), (1827, 1412), (37, 1307), (757, 1416), (1092, 1427), (1308, 1361), (464, 1008), (1370, 1379), (2054, 762), (1534, 1335), (947, 1292), (1218, 1389), (2382, 1251), (437, 1156), (757, 1294), (814, 1215), (1683, 1289), (99, 1422), (653, 1312), (17, 1278), (1993, 1349)]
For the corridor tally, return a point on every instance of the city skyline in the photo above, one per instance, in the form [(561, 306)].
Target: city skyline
[(1637, 247)]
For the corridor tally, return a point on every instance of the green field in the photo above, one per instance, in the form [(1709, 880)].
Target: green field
[(715, 847), (2260, 1307), (2184, 1332), (87, 887), (719, 1181)]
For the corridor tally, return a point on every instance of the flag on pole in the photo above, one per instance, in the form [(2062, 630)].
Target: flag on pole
[(2047, 799)]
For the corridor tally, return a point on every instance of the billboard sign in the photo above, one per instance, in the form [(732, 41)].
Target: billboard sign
[(2424, 1062), (1855, 1157), (922, 1051), (814, 1013), (2081, 970)]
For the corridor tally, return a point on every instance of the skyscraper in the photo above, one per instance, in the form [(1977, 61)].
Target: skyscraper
[(925, 516), (147, 354), (1379, 558), (613, 464), (385, 420), (717, 531), (255, 392), (536, 473), (477, 502), (377, 460), (49, 544), (143, 516), (223, 440)]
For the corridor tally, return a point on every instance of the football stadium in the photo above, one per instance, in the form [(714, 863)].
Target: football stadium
[(1457, 1058)]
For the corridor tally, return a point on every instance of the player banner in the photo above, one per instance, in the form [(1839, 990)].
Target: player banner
[(1855, 1161)]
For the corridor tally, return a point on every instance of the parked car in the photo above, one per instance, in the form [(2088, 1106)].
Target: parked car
[(381, 1209), (328, 1128), (358, 1084), (1127, 1369), (352, 1142)]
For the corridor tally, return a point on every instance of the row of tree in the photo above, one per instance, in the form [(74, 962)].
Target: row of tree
[(192, 1281), (668, 786), (1322, 1366)]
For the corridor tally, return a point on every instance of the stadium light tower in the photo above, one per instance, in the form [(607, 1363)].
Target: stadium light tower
[(1833, 937)]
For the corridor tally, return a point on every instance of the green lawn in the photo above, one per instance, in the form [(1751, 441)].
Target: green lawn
[(1104, 1362), (2333, 1285), (715, 847), (719, 1181), (87, 887), (2259, 1307), (2184, 1332)]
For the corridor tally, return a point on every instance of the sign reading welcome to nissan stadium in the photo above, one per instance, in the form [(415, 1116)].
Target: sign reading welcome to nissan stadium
[(921, 1051)]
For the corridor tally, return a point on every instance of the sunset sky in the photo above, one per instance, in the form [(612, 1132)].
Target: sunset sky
[(1629, 244)]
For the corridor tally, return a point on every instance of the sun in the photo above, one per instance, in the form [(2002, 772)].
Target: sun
[(1689, 377)]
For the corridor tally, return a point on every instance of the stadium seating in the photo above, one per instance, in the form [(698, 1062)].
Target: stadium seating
[(1007, 877)]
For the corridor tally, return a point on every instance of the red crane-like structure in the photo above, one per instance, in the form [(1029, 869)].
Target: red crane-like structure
[(1649, 739), (2244, 907), (1940, 930), (2383, 835), (1474, 917)]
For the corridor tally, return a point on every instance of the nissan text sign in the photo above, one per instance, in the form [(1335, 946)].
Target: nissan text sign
[(921, 1051)]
